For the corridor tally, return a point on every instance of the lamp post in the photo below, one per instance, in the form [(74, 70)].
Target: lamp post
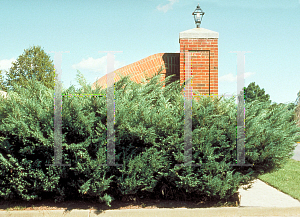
[(198, 14)]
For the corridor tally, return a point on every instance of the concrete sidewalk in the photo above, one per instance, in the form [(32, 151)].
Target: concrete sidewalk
[(180, 212), (297, 152), (263, 195)]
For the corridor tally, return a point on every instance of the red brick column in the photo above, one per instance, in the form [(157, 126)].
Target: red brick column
[(202, 45)]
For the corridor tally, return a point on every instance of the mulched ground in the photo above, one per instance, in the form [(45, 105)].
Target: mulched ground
[(145, 203)]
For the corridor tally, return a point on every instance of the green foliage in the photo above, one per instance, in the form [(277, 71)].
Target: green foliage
[(34, 62), (24, 129), (2, 82), (26, 133), (253, 92), (149, 142), (297, 101), (297, 109)]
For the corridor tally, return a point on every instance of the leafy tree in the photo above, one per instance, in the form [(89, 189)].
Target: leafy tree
[(295, 107), (33, 63), (2, 83), (298, 98), (297, 102), (254, 92)]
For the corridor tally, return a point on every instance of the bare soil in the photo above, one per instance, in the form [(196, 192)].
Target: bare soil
[(144, 203)]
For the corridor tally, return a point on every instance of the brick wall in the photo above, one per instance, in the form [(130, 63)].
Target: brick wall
[(202, 52)]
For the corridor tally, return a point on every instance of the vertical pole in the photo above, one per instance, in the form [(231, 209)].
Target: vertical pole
[(110, 110), (57, 112), (240, 118), (188, 133)]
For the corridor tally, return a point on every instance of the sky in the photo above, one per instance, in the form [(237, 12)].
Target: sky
[(269, 29)]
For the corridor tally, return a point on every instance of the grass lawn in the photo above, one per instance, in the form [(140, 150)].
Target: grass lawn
[(286, 180)]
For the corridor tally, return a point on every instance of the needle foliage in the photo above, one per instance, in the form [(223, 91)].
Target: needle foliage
[(149, 142)]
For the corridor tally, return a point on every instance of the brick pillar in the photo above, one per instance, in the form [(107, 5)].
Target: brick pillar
[(202, 44)]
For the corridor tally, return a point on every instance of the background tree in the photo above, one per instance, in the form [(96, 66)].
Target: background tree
[(2, 83), (298, 99), (33, 63), (297, 110), (254, 92)]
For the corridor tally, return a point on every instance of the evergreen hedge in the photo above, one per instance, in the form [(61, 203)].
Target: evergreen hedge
[(149, 132)]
